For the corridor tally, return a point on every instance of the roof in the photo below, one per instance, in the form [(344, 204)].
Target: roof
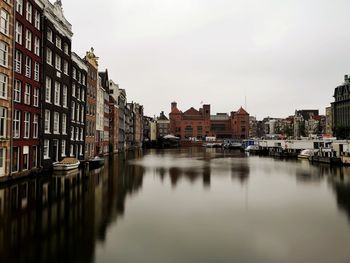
[(242, 111), (192, 111)]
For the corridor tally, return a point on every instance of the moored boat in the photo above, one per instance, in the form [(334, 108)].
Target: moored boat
[(306, 154), (66, 164), (96, 162)]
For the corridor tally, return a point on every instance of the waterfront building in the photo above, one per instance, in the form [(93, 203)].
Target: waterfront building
[(199, 124), (122, 119), (341, 110), (106, 125), (100, 108), (129, 126), (6, 84), (138, 125), (163, 125), (300, 117), (57, 35), (113, 125), (78, 107), (329, 122), (91, 61), (27, 87)]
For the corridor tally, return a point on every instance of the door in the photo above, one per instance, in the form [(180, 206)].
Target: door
[(55, 151)]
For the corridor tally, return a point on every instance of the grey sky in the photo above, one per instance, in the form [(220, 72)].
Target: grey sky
[(283, 55)]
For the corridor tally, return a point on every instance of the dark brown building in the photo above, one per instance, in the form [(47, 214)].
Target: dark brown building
[(56, 96), (27, 86)]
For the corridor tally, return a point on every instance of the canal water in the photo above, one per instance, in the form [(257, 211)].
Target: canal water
[(182, 205)]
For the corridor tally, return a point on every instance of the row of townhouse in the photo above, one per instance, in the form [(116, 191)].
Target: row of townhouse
[(53, 103)]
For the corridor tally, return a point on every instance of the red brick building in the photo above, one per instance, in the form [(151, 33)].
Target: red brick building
[(200, 124)]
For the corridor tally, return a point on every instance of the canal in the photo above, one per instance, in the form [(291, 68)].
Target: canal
[(182, 205)]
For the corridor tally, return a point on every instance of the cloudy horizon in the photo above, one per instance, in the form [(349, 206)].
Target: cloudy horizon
[(278, 57)]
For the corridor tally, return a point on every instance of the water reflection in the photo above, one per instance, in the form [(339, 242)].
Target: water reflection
[(63, 218)]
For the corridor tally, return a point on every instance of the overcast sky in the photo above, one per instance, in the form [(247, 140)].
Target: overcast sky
[(281, 55)]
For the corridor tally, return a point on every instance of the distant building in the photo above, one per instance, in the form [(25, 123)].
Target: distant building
[(200, 124), (329, 121), (300, 117), (163, 125), (105, 85), (341, 110), (113, 125)]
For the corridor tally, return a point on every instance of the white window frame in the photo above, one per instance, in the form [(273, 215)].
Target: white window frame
[(3, 85), (48, 87), (28, 67), (46, 150), (47, 122), (17, 124), (49, 56), (29, 37), (64, 123), (56, 123), (36, 71), (18, 61), (36, 94), (29, 12), (37, 20), (17, 91), (58, 42), (3, 122), (4, 22), (27, 91), (63, 148), (58, 62), (57, 94), (26, 133), (49, 34), (35, 126), (19, 32), (4, 53), (64, 96), (36, 46)]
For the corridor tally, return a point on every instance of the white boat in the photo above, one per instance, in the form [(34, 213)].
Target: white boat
[(66, 164), (252, 148), (306, 154)]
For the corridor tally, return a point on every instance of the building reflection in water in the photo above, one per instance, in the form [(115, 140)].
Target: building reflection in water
[(340, 182), (60, 218)]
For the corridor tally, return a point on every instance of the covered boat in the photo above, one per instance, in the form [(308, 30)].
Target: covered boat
[(68, 163)]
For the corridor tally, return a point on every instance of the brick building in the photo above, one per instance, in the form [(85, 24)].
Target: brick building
[(91, 61), (6, 84), (26, 94), (200, 124)]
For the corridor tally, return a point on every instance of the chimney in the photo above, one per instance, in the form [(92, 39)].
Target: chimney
[(173, 105), (346, 78)]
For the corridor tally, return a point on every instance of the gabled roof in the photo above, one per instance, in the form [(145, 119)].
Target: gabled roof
[(242, 111), (192, 111)]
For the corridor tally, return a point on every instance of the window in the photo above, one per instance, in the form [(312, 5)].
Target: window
[(28, 40), (15, 159), (73, 89), (78, 93), (3, 54), (64, 123), (81, 134), (18, 61), (49, 56), (37, 20), (73, 111), (27, 94), (26, 125), (19, 33), (82, 94), (4, 22), (63, 148), (82, 114), (74, 73), (16, 124), (49, 34), (71, 150), (36, 97), (77, 134), (48, 90), (46, 149), (65, 67), (25, 157), (56, 120), (17, 91), (72, 134), (64, 96), (57, 93), (36, 71), (58, 42), (84, 80), (3, 116), (29, 12), (58, 62), (36, 46), (19, 6), (35, 126), (3, 86), (47, 121), (28, 67), (66, 48), (35, 156)]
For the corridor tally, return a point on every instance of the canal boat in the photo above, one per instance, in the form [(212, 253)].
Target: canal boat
[(325, 155), (96, 162), (306, 154), (68, 163)]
